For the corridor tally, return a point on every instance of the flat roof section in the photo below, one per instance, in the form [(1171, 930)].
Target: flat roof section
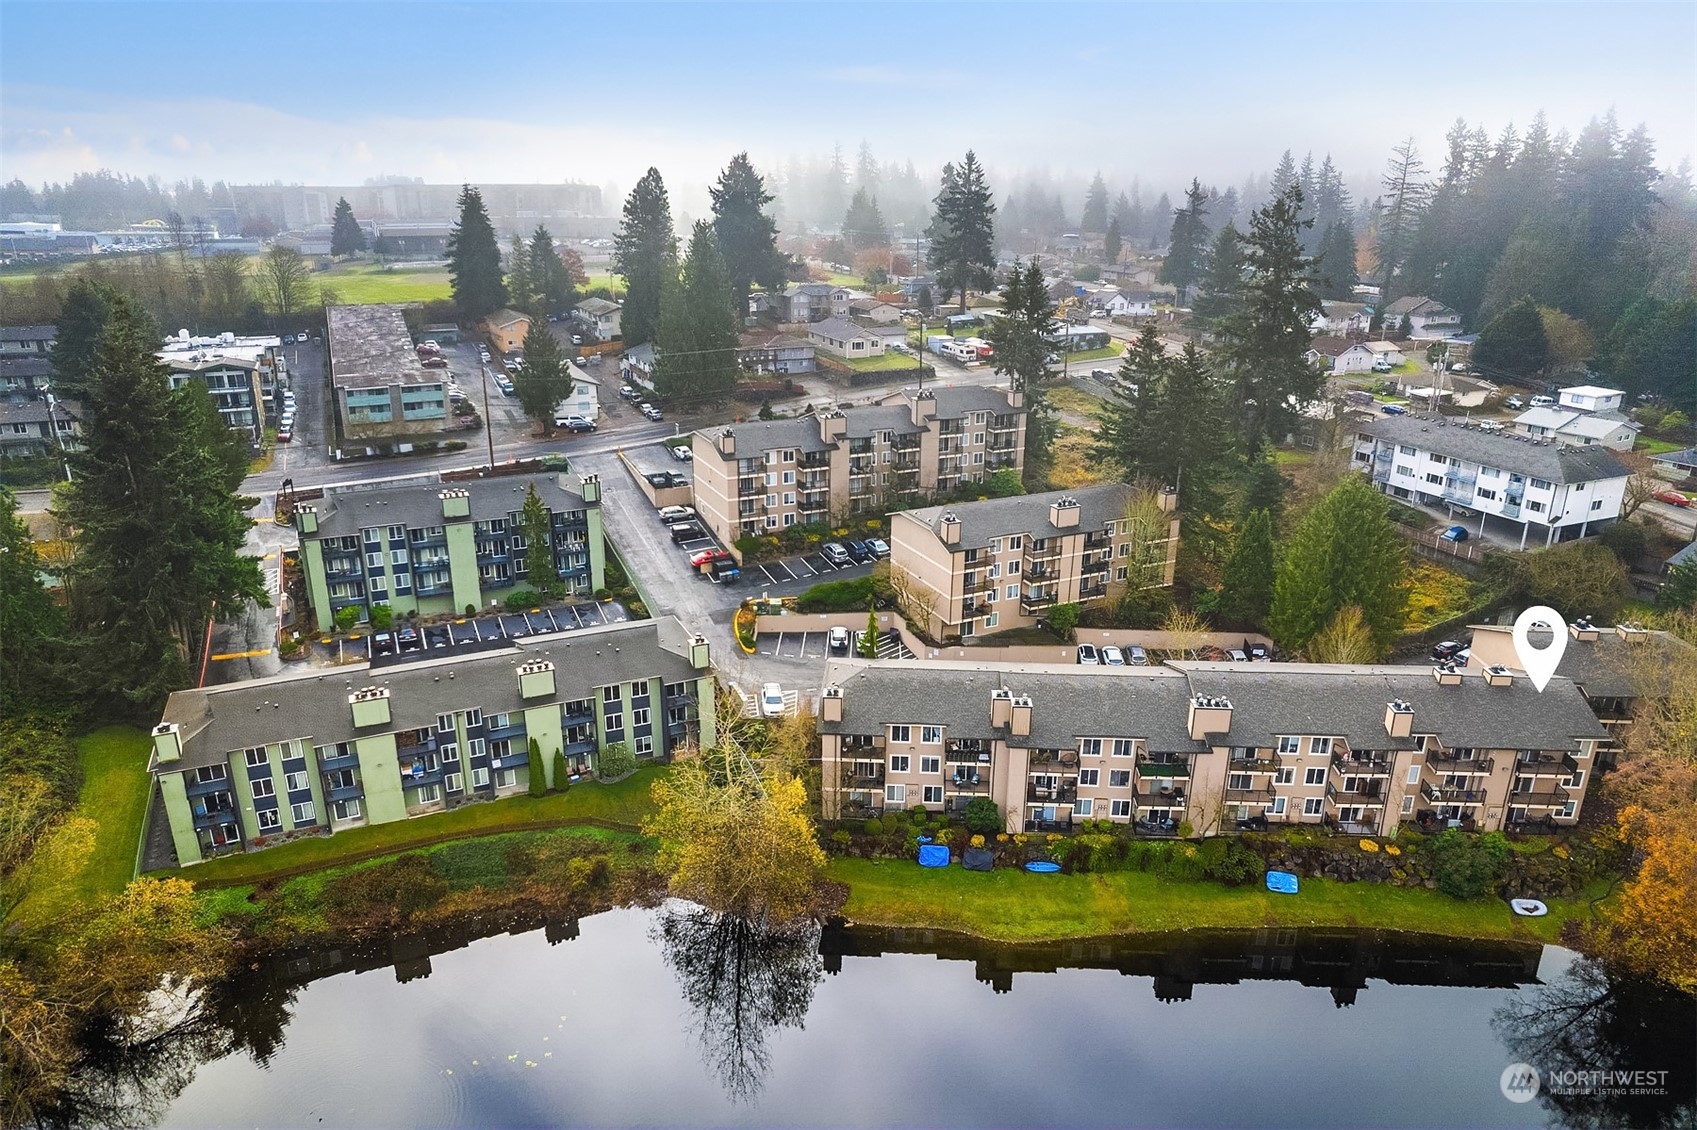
[(371, 348)]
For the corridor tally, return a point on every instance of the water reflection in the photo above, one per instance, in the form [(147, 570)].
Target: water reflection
[(742, 984)]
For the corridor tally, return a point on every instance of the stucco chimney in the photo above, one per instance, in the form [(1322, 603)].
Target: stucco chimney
[(1001, 707), (831, 704), (1209, 714), (924, 405), (948, 528), (1064, 512), (1399, 719), (832, 426), (1020, 721), (727, 442)]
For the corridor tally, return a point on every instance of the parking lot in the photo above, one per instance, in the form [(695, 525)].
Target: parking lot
[(816, 645), (803, 568), (480, 631)]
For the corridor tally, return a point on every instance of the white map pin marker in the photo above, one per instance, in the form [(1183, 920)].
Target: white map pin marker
[(1540, 663)]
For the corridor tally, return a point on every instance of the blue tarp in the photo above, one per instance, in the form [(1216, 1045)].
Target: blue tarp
[(933, 855), (1281, 882)]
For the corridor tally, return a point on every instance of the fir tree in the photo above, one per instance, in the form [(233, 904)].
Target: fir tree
[(1158, 223), (1020, 340), (521, 289), (1112, 241), (346, 236), (1404, 202), (555, 285), (538, 783), (77, 336), (748, 238), (31, 624), (1095, 215), (863, 224), (1336, 262), (474, 260), (540, 572), (1247, 577), (697, 345), (1346, 551), (1222, 279), (1513, 344), (962, 231), (1188, 243), (645, 255), (545, 378)]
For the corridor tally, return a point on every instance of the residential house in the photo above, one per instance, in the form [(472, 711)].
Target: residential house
[(599, 316), (442, 548), (762, 475), (38, 426), (1216, 747), (382, 391), (1338, 355), (1130, 274), (1580, 429), (506, 330), (27, 341), (874, 310), (1342, 319), (1566, 492), (637, 366), (1426, 317), (584, 399), (1116, 303), (1387, 351), (1676, 465), (1590, 398), (781, 353), (812, 302), (25, 374), (239, 765), (845, 338), (1001, 563)]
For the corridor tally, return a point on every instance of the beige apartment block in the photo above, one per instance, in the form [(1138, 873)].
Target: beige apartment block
[(763, 476), (1207, 747), (980, 567)]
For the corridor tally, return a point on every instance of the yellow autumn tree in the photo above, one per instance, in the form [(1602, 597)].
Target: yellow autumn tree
[(1651, 925)]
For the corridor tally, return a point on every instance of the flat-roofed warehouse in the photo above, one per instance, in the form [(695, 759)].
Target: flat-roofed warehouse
[(382, 390)]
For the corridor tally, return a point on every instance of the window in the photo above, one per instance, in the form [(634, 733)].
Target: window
[(994, 573), (1319, 746), (1413, 775), (1405, 470), (206, 774), (1312, 806), (1083, 807), (932, 794), (977, 458), (270, 820), (479, 778), (340, 779), (1575, 780), (1408, 804), (639, 717), (895, 794), (1091, 747), (1438, 459), (256, 756), (1596, 504), (1013, 568), (991, 619), (1289, 744), (1278, 808), (475, 747), (900, 734), (1011, 592), (610, 693), (615, 723), (264, 787), (371, 536), (444, 723), (1119, 808), (995, 545), (642, 745), (398, 556), (1284, 776), (375, 559), (505, 778), (403, 582), (452, 782), (303, 813), (1124, 747), (789, 519), (346, 809), (473, 718), (1314, 776), (789, 477), (296, 782), (1089, 778), (1487, 494), (1567, 810), (1535, 507), (932, 764), (1405, 449), (1121, 573), (1239, 782), (1435, 479), (1119, 778), (899, 762), (379, 588), (930, 735), (1540, 484)]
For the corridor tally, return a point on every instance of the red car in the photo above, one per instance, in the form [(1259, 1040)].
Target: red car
[(707, 556), (1672, 498)]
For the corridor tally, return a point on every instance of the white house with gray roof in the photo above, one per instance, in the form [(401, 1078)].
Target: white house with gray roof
[(1561, 491)]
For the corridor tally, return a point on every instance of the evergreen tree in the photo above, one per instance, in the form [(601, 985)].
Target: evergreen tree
[(30, 623), (863, 224), (697, 345), (474, 260), (1095, 215), (160, 527), (748, 238), (1679, 591), (540, 572), (1283, 176), (538, 783), (82, 316), (1247, 577), (346, 236), (645, 255), (1129, 216), (1188, 243), (866, 170), (869, 637), (545, 378), (1651, 348), (555, 285), (1403, 204), (1513, 344), (1264, 345), (1346, 551), (925, 302), (1112, 242), (963, 235), (562, 775), (1020, 340), (1222, 279), (521, 289), (1335, 261)]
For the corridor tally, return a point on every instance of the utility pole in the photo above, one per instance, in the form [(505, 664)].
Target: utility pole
[(488, 423)]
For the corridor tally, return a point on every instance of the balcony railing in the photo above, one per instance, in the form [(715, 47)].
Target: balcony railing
[(1449, 794), (969, 780), (1259, 791), (1159, 793), (1029, 604), (1253, 761), (1546, 796), (864, 780), (1448, 762), (1352, 827), (1063, 793), (1062, 826), (1148, 766), (1360, 765), (1548, 765), (1372, 796)]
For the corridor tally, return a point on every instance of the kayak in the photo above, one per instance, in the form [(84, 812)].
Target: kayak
[(1528, 908), (1043, 867)]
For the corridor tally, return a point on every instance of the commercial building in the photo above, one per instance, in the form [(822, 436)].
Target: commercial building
[(437, 548), (1207, 747), (765, 475), (382, 390), (1563, 492), (243, 764), (1002, 563)]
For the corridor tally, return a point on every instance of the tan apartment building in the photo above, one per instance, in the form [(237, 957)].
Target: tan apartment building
[(979, 567), (1215, 746), (763, 476)]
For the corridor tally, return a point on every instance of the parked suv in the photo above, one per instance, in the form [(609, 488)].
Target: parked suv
[(836, 554), (574, 423), (839, 641)]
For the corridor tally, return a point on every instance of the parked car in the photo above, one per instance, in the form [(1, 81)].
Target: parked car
[(1113, 656), (574, 423), (285, 435), (839, 641), (771, 700), (666, 479), (1514, 402), (1446, 650), (860, 551), (1672, 498), (626, 392), (1393, 409), (687, 531), (577, 339), (1088, 656), (435, 362), (1543, 402), (1382, 366), (288, 339), (408, 639), (1454, 533), (682, 454), (707, 557), (650, 411), (1237, 655), (1136, 656), (670, 514), (879, 547), (383, 643), (836, 554), (1492, 426)]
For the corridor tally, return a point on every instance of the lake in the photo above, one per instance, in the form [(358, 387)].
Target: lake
[(663, 1017)]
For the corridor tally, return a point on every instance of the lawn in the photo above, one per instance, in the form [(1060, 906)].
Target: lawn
[(888, 362), (625, 803), (1010, 905), (1112, 349), (836, 278), (612, 282), (114, 795), (1655, 446), (367, 282), (1066, 399)]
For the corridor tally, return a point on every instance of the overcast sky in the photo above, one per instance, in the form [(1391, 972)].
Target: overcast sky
[(336, 93)]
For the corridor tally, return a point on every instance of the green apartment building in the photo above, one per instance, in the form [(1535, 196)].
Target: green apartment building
[(441, 548), (238, 766)]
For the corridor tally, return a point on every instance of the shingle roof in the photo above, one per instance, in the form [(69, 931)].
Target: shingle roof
[(1684, 457), (1551, 418), (342, 513), (865, 422), (34, 365), (1417, 304), (28, 333), (597, 306), (991, 518), (35, 411), (1604, 667), (1557, 464), (218, 720), (1683, 556), (1145, 702), (955, 401), (1596, 427), (505, 317), (839, 329), (755, 436)]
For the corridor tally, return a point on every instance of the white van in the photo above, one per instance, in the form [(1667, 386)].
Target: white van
[(1543, 402)]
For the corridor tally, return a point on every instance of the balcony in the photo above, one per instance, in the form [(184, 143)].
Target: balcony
[(1097, 540), (346, 792), (1351, 827), (1259, 792), (343, 571), (1253, 761), (1547, 765), (857, 808), (1053, 760), (1543, 796), (1540, 826), (1450, 795), (969, 780), (1370, 796), (333, 762), (1064, 793), (1032, 604), (1158, 793), (1358, 764), (1447, 761), (1060, 826), (1148, 766), (1159, 826), (861, 778)]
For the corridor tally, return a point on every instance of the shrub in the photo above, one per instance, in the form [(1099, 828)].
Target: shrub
[(521, 599), (982, 816), (401, 887), (562, 775), (944, 835), (347, 617), (976, 841), (615, 761), (484, 862), (841, 838), (1466, 866), (538, 783), (873, 827), (471, 610), (1237, 865), (1063, 618), (918, 813)]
